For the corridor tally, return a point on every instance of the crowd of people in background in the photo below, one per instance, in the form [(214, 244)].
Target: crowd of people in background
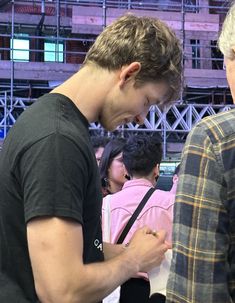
[(128, 168)]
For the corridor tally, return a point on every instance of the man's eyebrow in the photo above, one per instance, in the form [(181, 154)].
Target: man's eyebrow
[(156, 101)]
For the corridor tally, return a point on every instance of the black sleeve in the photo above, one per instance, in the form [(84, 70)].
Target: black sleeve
[(54, 176)]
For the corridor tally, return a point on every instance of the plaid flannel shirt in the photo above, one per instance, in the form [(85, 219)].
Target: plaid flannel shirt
[(203, 265)]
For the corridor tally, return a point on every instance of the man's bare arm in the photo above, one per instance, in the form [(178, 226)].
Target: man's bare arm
[(112, 250), (56, 250)]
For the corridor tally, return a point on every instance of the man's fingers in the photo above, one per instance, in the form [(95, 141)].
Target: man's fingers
[(160, 234), (169, 245)]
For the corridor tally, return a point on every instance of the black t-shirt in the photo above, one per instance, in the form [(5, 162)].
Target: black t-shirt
[(47, 168)]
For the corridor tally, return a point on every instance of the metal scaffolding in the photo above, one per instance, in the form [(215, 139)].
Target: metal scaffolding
[(173, 125)]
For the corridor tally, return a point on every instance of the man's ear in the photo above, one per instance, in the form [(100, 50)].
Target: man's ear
[(175, 179), (156, 170), (129, 72)]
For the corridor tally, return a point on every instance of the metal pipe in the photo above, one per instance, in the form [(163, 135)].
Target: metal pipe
[(39, 33), (183, 45), (43, 7), (104, 16), (164, 136), (12, 52), (5, 115), (57, 30), (51, 38), (150, 5)]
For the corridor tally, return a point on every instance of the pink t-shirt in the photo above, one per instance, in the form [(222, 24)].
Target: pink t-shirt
[(156, 214)]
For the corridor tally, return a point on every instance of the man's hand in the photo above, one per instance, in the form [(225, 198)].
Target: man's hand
[(148, 248)]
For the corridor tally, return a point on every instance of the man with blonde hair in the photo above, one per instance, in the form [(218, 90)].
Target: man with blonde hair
[(203, 265), (51, 246)]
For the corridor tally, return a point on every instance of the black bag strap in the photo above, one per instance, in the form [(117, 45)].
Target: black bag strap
[(135, 215)]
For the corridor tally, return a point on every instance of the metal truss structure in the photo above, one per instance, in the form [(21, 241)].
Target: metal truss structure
[(172, 125), (205, 91), (176, 122)]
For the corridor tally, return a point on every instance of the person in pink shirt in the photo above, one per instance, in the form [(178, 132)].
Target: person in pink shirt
[(141, 156)]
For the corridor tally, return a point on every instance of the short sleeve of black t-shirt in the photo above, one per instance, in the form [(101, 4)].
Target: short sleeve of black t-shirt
[(59, 179), (54, 176)]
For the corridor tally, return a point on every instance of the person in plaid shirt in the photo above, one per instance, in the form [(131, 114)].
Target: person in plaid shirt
[(203, 265)]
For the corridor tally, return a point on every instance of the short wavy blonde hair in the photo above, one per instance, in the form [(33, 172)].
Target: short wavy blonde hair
[(226, 41), (141, 39)]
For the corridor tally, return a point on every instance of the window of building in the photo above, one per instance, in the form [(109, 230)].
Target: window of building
[(195, 53), (19, 49), (217, 56), (53, 52)]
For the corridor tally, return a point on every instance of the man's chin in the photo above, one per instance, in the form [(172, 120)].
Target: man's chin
[(111, 128)]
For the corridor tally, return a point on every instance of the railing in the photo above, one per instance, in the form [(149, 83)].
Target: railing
[(216, 6), (196, 55), (177, 121), (38, 55)]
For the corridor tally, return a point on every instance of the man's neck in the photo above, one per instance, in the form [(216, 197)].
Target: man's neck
[(88, 89)]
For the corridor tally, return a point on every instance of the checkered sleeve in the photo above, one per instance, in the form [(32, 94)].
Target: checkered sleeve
[(200, 240)]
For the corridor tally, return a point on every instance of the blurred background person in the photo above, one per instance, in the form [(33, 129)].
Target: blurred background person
[(98, 143), (112, 172), (166, 178), (175, 179)]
